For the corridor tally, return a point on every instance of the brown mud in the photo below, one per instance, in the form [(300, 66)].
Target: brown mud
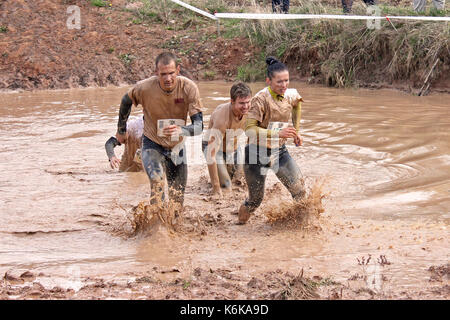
[(68, 233), (200, 225)]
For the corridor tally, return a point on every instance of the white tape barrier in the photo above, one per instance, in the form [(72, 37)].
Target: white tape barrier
[(188, 6), (275, 16)]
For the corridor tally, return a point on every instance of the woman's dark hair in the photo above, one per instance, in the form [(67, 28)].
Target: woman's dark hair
[(273, 66)]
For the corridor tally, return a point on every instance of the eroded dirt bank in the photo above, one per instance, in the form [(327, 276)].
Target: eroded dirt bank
[(117, 43), (38, 51)]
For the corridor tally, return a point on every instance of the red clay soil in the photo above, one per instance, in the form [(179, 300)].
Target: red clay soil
[(38, 51)]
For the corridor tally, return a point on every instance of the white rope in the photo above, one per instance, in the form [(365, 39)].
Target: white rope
[(188, 6), (275, 16)]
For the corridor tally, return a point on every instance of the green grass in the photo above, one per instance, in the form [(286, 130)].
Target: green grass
[(126, 58), (209, 75), (3, 29), (251, 72), (99, 3), (137, 21), (338, 53)]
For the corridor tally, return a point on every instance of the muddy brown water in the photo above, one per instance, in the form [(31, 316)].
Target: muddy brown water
[(385, 156)]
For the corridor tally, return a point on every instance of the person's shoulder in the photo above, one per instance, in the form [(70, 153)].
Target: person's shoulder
[(220, 115), (293, 96), (220, 110), (147, 82), (261, 95), (186, 82)]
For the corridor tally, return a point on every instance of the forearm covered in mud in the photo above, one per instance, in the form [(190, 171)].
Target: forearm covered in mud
[(296, 115), (110, 145), (195, 128), (252, 128), (124, 113)]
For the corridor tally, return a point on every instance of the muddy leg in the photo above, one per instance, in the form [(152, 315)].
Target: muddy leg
[(255, 182), (224, 177), (222, 171), (439, 4), (290, 175), (176, 180), (419, 5), (154, 163)]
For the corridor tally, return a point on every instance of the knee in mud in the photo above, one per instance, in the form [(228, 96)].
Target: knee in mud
[(155, 175), (226, 184)]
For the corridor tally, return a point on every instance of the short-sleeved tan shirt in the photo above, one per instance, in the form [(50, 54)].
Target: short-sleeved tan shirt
[(265, 109), (223, 120), (157, 104)]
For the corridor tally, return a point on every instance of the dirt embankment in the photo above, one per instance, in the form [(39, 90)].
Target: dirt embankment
[(116, 45), (39, 51)]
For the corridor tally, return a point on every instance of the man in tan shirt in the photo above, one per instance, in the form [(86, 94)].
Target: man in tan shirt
[(221, 147), (166, 99)]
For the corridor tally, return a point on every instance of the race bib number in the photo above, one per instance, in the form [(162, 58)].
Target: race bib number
[(164, 123), (277, 126)]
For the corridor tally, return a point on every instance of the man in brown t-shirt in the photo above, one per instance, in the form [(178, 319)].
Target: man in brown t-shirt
[(166, 99), (226, 124)]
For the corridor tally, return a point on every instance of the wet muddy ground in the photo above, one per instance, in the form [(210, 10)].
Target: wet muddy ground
[(381, 159)]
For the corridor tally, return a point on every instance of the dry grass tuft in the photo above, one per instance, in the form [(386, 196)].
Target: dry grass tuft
[(296, 288)]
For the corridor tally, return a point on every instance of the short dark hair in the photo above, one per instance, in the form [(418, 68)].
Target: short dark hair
[(273, 66), (166, 58), (240, 90)]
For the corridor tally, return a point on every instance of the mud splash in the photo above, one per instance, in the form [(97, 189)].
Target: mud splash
[(301, 214)]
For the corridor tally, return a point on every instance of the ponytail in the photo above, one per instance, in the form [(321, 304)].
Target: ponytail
[(273, 66)]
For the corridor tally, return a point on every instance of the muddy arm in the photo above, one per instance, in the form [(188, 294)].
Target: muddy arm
[(124, 113), (252, 127), (195, 128), (296, 115), (110, 145)]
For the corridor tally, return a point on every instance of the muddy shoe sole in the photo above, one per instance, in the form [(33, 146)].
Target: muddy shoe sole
[(243, 215)]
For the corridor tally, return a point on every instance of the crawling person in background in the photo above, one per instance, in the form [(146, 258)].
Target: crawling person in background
[(221, 147), (131, 160), (268, 130), (166, 100)]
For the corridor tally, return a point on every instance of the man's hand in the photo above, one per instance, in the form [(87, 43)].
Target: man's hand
[(114, 162), (122, 138), (172, 130)]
